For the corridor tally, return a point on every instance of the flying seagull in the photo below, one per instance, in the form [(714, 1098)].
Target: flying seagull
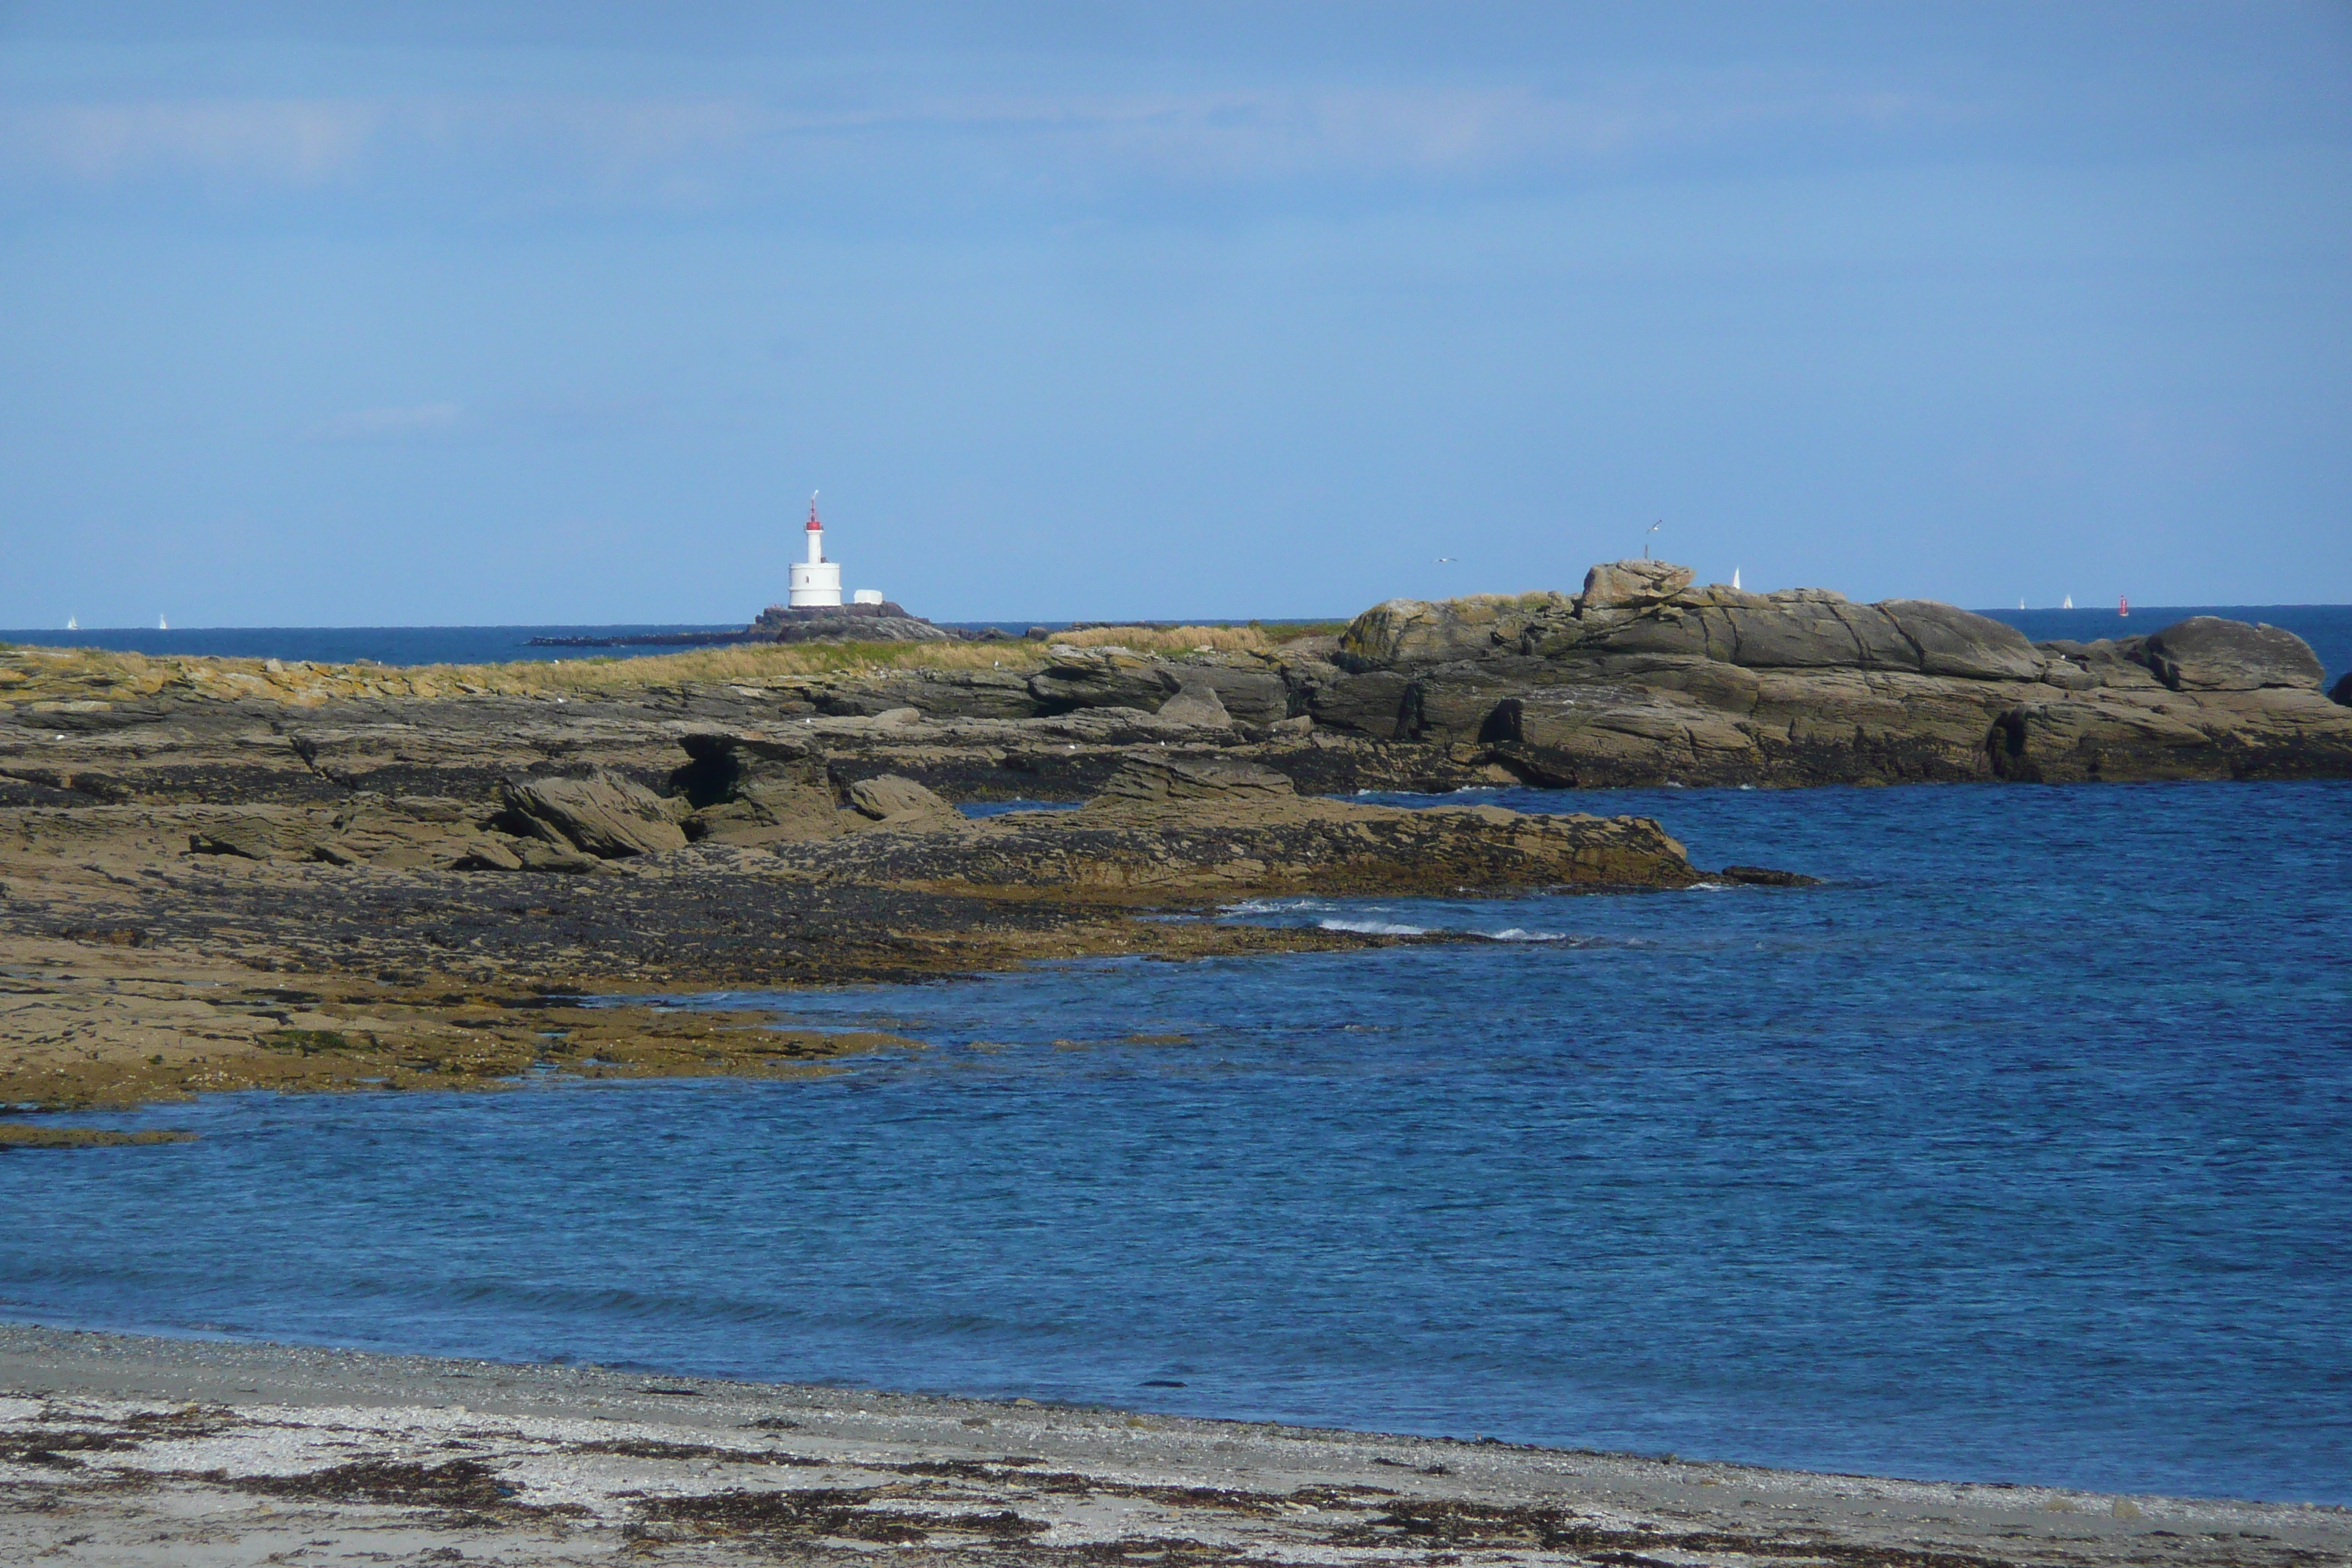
[(1446, 560)]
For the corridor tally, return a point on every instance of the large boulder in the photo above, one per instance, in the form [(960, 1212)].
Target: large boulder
[(2342, 690), (1956, 642), (756, 789), (1102, 678), (604, 814), (1153, 782), (1632, 584), (902, 804), (1247, 695), (1374, 703), (2207, 653), (1196, 705), (1417, 631), (263, 833)]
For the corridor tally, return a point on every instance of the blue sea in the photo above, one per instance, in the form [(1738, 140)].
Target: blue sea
[(397, 645), (2020, 1150), (2326, 627)]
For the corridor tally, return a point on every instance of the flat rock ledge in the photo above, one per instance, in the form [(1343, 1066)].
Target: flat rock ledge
[(1164, 830), (1161, 828)]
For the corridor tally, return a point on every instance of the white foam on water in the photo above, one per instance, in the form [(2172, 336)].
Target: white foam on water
[(1515, 934), (1374, 928)]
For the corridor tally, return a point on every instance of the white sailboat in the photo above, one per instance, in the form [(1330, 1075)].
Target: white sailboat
[(73, 623), (2069, 604), (162, 625), (1735, 576)]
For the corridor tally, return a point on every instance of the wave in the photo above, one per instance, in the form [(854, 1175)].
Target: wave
[(1373, 928)]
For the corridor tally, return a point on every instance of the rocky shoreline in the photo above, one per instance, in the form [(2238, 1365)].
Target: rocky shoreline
[(121, 1450), (219, 873)]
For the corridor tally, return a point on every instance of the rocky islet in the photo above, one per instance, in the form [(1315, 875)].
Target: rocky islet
[(441, 855)]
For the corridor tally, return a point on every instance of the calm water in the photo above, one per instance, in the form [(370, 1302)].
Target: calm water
[(2328, 628), (2023, 1150)]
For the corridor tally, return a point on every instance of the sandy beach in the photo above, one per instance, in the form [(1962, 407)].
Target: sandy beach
[(122, 1450)]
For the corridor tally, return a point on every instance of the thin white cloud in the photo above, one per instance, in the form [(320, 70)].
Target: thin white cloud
[(1226, 134), (287, 140), (388, 424)]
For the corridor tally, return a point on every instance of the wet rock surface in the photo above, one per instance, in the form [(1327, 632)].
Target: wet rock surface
[(1175, 829), (158, 950), (121, 1450)]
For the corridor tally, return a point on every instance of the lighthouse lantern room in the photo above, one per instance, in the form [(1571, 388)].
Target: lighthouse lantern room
[(815, 582)]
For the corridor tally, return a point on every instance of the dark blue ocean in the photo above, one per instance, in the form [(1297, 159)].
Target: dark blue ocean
[(390, 645), (2328, 628), (2020, 1151)]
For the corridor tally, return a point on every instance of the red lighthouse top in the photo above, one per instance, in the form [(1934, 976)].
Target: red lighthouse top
[(813, 526)]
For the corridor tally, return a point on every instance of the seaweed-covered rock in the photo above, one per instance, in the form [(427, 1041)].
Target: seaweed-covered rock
[(1178, 829)]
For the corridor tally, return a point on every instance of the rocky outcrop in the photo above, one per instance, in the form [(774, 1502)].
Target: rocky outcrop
[(902, 804), (2207, 653), (1168, 830), (263, 833), (1642, 678), (885, 622), (1645, 677), (604, 816), (1164, 826)]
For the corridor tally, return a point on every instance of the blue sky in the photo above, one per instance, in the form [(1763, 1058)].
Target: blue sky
[(518, 313)]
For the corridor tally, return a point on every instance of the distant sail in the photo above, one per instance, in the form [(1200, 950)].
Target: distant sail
[(162, 625), (1735, 576), (2123, 606), (73, 623), (2069, 604)]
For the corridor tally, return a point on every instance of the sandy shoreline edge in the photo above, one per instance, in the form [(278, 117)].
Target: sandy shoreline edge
[(118, 1449)]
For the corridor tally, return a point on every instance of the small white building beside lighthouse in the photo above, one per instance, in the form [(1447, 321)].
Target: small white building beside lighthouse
[(815, 582)]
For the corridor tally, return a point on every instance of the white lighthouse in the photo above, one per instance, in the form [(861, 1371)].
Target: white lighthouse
[(816, 582)]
